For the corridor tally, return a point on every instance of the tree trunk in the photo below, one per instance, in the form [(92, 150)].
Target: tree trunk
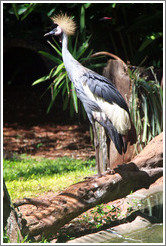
[(117, 72), (51, 215), (11, 221)]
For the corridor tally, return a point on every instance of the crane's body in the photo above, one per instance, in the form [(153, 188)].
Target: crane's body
[(102, 101)]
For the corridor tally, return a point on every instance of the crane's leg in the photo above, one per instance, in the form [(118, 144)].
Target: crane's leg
[(109, 167), (108, 151), (96, 143)]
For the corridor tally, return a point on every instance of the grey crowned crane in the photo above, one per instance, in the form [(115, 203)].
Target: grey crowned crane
[(102, 101)]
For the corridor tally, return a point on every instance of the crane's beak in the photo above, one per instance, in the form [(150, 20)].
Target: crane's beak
[(49, 33)]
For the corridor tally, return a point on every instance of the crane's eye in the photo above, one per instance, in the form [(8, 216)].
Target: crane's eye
[(54, 26)]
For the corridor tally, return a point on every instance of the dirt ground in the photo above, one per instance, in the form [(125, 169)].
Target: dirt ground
[(27, 128)]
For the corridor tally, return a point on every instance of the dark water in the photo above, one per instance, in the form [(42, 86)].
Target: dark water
[(151, 234)]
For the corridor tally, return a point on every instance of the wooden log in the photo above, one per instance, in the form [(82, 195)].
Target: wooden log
[(11, 221), (144, 170)]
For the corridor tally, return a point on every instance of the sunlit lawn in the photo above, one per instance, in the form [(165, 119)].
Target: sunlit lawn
[(29, 177)]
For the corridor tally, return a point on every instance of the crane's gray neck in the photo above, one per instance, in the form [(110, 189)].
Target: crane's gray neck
[(67, 57), (64, 42), (69, 61)]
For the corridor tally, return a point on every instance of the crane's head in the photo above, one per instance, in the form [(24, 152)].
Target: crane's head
[(62, 24)]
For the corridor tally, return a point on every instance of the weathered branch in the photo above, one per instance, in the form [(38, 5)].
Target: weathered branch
[(32, 201), (108, 54), (11, 222), (144, 169)]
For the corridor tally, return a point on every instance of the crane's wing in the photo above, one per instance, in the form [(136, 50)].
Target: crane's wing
[(103, 88)]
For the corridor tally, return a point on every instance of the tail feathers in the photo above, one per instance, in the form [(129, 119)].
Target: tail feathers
[(116, 138), (119, 140)]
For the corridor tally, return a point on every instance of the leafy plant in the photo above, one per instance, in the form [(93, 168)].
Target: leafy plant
[(6, 238), (139, 36), (132, 32), (104, 214), (147, 105), (22, 10)]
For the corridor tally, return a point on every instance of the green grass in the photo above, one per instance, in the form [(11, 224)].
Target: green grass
[(29, 177)]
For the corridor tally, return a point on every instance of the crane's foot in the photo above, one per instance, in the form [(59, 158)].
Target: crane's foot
[(109, 171), (95, 176), (99, 175)]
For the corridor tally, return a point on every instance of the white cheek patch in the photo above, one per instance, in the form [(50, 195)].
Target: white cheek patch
[(58, 31), (118, 116)]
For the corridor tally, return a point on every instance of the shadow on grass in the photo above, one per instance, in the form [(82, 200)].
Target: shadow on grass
[(26, 168)]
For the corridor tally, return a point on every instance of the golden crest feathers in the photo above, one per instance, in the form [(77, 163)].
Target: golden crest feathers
[(65, 22)]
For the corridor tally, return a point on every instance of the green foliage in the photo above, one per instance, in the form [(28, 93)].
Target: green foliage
[(149, 39), (135, 28), (147, 105), (6, 239), (137, 32), (101, 215), (22, 10)]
